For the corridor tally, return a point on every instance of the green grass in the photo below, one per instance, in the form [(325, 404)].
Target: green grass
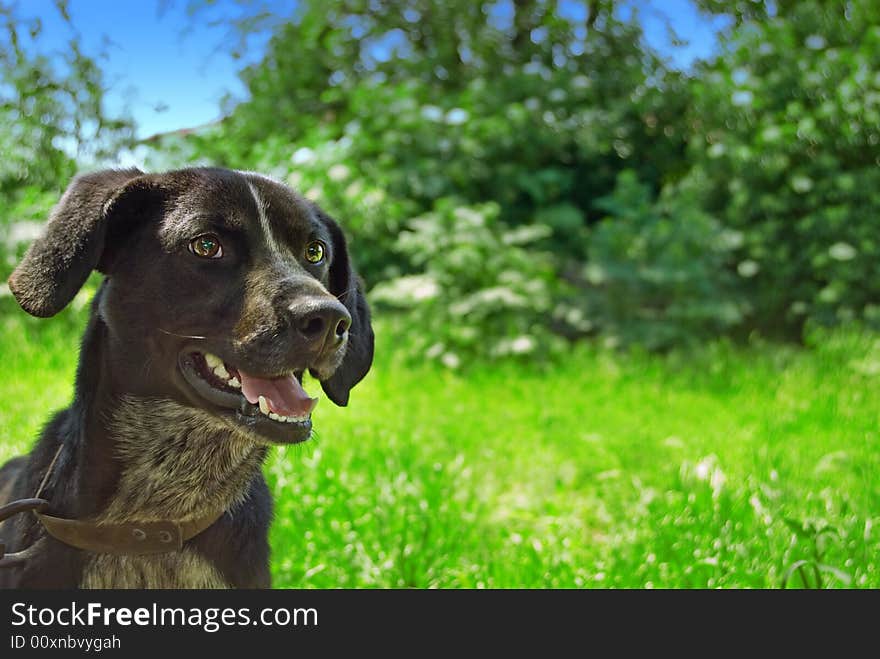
[(728, 467)]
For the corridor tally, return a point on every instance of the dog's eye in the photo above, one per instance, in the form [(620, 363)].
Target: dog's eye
[(315, 251), (207, 246)]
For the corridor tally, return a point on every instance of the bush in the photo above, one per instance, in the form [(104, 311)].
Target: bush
[(656, 271), (483, 291), (785, 135), (541, 129), (329, 172), (753, 187)]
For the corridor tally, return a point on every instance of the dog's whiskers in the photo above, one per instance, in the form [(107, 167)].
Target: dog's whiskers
[(182, 336)]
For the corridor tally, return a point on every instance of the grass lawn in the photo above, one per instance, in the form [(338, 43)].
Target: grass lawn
[(729, 467)]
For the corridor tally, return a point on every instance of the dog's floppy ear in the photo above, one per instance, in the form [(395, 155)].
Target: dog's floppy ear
[(58, 263), (347, 287)]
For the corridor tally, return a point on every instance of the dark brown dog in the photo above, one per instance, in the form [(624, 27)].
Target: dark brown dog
[(221, 289)]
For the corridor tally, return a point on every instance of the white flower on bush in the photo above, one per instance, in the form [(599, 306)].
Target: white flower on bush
[(407, 290), (456, 116), (434, 351), (748, 268), (489, 298), (354, 190), (425, 290), (771, 133), (338, 172), (522, 345), (25, 232), (470, 216), (526, 234), (595, 274), (742, 97), (536, 69), (740, 76), (302, 156), (842, 252), (374, 197), (730, 239), (451, 360), (717, 150), (815, 42), (801, 183), (314, 193), (432, 113), (294, 179)]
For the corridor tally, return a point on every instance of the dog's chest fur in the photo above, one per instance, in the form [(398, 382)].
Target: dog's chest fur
[(182, 569), (178, 463)]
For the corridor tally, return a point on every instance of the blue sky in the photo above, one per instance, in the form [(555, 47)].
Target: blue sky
[(170, 72)]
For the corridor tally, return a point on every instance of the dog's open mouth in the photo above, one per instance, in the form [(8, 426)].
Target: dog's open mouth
[(278, 407)]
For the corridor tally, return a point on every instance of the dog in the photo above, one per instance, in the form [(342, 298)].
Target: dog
[(220, 289)]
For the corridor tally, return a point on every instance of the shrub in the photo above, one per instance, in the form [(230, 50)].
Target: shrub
[(785, 134), (483, 289), (539, 116)]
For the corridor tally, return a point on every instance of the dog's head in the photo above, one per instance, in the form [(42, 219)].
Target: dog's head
[(222, 289)]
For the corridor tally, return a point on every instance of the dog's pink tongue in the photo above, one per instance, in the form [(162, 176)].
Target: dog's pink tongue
[(285, 395)]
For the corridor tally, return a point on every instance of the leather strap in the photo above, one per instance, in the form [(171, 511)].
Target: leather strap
[(126, 538), (131, 538)]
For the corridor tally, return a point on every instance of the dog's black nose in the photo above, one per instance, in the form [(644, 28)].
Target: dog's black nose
[(324, 323)]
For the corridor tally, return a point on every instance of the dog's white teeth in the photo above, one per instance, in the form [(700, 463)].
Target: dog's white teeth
[(264, 408), (234, 383), (217, 367)]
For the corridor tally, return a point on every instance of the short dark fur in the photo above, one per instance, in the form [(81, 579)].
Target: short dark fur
[(136, 441)]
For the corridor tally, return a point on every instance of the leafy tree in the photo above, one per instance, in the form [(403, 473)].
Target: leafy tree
[(536, 105), (751, 181), (785, 141), (51, 113)]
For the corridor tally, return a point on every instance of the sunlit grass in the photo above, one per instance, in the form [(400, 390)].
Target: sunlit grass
[(730, 467)]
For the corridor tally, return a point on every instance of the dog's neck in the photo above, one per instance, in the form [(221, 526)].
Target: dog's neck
[(151, 458), (176, 462)]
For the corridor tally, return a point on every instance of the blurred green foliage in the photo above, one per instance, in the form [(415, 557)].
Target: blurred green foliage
[(740, 196), (656, 270), (785, 149), (52, 121), (388, 113), (663, 207), (484, 289)]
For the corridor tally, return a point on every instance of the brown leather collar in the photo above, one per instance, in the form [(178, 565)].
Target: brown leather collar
[(135, 538), (132, 538)]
